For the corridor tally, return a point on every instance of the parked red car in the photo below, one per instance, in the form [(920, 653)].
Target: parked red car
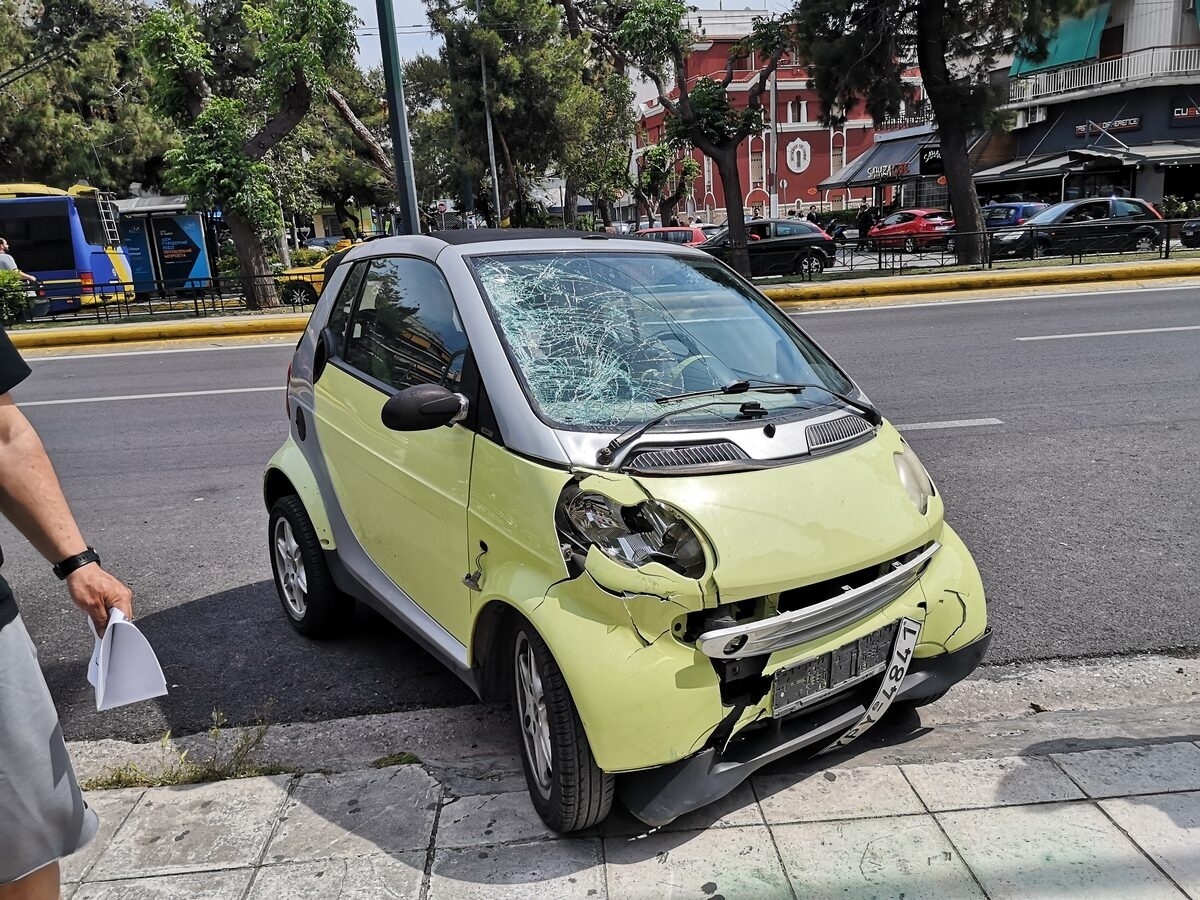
[(688, 235), (912, 229)]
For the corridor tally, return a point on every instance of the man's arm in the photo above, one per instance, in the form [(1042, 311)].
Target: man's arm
[(32, 499)]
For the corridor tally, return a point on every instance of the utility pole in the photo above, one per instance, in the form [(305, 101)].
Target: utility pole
[(487, 114), (774, 146), (393, 79)]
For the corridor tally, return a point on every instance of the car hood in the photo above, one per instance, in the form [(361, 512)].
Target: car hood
[(791, 525)]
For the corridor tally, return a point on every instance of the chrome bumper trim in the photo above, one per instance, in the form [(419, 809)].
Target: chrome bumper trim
[(803, 625)]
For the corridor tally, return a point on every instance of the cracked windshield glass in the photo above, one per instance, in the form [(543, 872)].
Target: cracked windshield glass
[(601, 338)]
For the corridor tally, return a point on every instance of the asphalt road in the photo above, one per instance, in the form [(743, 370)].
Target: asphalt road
[(1079, 506)]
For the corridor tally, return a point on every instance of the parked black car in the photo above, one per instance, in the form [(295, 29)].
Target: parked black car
[(780, 247), (1189, 236), (1095, 225)]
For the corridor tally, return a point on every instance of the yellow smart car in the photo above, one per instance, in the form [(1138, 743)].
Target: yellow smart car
[(609, 480)]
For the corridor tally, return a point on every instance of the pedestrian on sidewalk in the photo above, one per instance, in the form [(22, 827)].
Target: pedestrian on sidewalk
[(43, 816), (7, 262)]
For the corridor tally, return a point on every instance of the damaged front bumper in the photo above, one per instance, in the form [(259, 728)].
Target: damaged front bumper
[(659, 796)]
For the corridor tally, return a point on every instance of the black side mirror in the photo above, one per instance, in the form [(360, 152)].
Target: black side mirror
[(422, 407), (325, 344)]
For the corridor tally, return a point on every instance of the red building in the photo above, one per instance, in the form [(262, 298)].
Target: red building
[(794, 153)]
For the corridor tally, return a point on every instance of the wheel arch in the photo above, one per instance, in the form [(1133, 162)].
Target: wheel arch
[(288, 473), (491, 627)]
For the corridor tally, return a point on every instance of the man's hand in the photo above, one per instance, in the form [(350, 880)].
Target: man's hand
[(96, 592)]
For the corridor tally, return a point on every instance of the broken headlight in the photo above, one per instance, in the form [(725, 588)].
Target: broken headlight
[(915, 480), (631, 535)]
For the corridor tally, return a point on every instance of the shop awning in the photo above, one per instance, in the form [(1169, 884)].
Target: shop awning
[(886, 161), (1162, 154), (1075, 39)]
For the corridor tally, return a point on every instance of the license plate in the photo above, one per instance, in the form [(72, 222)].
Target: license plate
[(897, 667), (811, 681)]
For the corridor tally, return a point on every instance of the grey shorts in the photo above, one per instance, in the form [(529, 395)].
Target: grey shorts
[(43, 816)]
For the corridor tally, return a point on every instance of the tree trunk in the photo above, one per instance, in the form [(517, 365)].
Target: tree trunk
[(666, 209), (951, 102), (570, 208), (731, 184), (964, 202), (605, 210), (257, 283)]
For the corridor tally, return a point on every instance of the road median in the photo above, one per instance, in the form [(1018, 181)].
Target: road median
[(954, 282), (173, 329)]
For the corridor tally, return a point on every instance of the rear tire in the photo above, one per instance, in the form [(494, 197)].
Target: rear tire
[(568, 789), (310, 599), (809, 265), (910, 245)]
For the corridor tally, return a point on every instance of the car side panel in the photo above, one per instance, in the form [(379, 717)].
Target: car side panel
[(290, 461)]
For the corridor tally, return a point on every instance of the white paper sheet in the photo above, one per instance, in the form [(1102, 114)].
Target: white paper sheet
[(124, 668)]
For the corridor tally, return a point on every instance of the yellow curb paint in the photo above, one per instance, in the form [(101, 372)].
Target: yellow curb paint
[(158, 331), (910, 285)]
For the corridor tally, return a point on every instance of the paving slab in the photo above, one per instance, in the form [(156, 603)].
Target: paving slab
[(725, 862), (363, 878), (230, 884), (355, 813), (562, 870), (203, 826), (1058, 850), (736, 809), (836, 794), (1167, 827), (490, 819), (980, 783), (903, 856), (112, 807), (1125, 771)]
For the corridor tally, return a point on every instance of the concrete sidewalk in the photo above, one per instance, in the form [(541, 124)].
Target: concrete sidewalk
[(1121, 823)]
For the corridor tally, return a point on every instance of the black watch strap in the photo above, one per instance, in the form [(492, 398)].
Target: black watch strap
[(71, 563)]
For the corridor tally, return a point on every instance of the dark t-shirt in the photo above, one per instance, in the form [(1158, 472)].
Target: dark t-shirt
[(13, 371)]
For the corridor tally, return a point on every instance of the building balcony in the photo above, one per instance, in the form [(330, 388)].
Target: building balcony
[(1142, 68)]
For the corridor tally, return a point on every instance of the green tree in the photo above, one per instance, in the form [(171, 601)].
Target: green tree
[(73, 100), (860, 49), (666, 176), (237, 78), (652, 36), (599, 124), (533, 67)]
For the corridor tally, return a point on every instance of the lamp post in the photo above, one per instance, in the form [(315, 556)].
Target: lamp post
[(487, 114), (393, 79)]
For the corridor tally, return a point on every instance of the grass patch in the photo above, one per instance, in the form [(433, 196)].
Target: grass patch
[(229, 758), (403, 758)]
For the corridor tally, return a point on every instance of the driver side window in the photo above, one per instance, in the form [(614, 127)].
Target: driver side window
[(405, 329)]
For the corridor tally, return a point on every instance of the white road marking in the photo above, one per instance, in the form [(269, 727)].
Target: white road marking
[(952, 423), (973, 300), (1083, 334), (249, 390), (33, 359)]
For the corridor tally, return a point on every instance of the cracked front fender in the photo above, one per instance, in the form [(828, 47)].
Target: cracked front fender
[(957, 609)]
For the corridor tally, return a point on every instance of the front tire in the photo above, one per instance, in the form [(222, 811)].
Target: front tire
[(568, 789), (311, 600), (910, 245)]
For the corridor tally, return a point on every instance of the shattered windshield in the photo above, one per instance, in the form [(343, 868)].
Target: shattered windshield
[(599, 337)]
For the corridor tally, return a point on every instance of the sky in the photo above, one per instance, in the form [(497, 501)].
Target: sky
[(414, 37)]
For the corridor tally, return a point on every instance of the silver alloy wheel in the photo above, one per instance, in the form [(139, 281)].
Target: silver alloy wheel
[(531, 707), (289, 564)]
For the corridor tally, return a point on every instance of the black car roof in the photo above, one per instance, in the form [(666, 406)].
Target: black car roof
[(460, 236)]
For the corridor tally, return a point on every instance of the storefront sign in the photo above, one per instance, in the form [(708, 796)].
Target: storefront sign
[(895, 170), (1185, 115), (931, 161), (1129, 123)]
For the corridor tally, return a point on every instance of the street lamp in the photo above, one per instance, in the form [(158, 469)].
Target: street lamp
[(393, 79)]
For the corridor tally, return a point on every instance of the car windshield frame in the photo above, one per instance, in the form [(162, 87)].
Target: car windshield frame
[(540, 380)]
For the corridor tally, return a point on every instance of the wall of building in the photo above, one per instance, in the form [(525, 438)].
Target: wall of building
[(1142, 116)]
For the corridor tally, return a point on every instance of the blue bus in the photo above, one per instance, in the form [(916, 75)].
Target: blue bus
[(69, 241)]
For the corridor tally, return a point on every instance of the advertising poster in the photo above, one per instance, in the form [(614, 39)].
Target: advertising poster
[(182, 253), (136, 235)]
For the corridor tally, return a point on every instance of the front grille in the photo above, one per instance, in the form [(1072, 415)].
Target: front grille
[(812, 594), (681, 457), (835, 431)]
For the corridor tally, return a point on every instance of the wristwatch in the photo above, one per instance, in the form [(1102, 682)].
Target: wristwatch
[(71, 563)]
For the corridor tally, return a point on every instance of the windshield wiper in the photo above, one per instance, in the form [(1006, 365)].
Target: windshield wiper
[(870, 413), (606, 453), (734, 387)]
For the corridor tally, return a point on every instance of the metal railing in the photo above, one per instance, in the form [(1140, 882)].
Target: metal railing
[(1140, 65)]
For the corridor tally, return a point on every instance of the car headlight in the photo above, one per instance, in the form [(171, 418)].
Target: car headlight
[(630, 535), (915, 480)]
